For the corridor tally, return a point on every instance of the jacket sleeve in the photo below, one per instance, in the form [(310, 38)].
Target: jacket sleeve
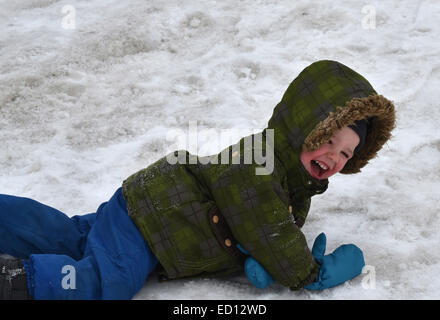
[(300, 209), (258, 215)]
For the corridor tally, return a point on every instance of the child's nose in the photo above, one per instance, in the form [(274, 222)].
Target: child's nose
[(332, 155)]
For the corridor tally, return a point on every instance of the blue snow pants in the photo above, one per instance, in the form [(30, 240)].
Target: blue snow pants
[(98, 255)]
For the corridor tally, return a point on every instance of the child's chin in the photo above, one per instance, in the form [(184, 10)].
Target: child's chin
[(325, 176)]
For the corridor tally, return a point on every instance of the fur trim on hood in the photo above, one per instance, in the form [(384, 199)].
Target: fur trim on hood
[(324, 97), (381, 114)]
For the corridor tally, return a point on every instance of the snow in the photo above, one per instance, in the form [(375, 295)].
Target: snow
[(83, 106)]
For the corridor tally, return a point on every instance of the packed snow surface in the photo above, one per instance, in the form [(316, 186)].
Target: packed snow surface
[(90, 91)]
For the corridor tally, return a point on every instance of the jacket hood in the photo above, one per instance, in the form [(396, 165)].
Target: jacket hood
[(325, 97)]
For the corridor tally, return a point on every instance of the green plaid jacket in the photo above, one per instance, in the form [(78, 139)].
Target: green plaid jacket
[(170, 202)]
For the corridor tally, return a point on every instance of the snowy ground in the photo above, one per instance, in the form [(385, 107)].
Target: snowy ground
[(83, 108)]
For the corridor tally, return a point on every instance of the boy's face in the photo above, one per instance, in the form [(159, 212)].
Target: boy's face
[(332, 156)]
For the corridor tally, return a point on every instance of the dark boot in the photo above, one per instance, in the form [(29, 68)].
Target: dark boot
[(13, 282)]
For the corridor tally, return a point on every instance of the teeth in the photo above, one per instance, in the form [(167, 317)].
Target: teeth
[(323, 166)]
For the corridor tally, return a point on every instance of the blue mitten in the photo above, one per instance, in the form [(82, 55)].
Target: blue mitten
[(343, 264), (255, 272)]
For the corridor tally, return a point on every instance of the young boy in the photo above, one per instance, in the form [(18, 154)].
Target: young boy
[(207, 217)]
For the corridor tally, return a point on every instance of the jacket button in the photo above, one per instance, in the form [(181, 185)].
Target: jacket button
[(228, 242), (215, 219)]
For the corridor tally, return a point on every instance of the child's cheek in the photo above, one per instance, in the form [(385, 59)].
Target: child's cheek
[(340, 165), (304, 157)]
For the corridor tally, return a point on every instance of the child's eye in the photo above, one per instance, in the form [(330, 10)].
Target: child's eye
[(330, 142), (345, 154)]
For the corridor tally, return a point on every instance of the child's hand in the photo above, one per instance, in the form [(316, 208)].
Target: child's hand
[(255, 272), (345, 263)]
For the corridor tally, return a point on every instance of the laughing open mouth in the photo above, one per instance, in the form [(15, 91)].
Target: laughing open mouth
[(319, 168)]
